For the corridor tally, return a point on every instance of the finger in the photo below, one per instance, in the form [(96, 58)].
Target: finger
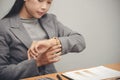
[(36, 52), (55, 47), (33, 51), (56, 59), (58, 54), (36, 49), (28, 55), (32, 48), (54, 55), (32, 55), (54, 51)]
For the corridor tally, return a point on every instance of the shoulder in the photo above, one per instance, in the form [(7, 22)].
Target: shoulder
[(49, 16), (4, 23)]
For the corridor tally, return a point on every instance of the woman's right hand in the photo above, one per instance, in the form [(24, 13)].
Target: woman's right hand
[(50, 56), (39, 47)]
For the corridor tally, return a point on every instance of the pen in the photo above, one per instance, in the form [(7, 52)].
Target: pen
[(58, 76), (118, 79)]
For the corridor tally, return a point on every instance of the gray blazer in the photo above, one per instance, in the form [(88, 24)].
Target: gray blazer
[(15, 41)]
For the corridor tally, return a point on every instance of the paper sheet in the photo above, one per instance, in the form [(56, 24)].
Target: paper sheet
[(96, 73)]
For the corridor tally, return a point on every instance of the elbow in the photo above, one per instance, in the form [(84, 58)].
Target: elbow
[(78, 48), (81, 47)]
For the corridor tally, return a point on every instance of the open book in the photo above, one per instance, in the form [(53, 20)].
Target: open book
[(96, 73)]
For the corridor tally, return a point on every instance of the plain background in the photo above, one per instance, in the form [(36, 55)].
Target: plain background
[(97, 20)]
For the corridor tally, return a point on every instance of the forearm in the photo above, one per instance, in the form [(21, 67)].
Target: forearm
[(70, 40), (24, 69), (72, 43)]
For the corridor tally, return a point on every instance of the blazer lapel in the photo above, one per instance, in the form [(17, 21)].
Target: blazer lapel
[(19, 31), (46, 25)]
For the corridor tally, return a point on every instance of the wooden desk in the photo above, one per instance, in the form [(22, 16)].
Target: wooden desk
[(112, 66)]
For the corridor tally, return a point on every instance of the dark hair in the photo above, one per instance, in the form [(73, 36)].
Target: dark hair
[(15, 9)]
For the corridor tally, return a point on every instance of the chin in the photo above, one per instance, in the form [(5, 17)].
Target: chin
[(37, 17)]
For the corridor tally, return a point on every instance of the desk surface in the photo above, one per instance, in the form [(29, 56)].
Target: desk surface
[(112, 66)]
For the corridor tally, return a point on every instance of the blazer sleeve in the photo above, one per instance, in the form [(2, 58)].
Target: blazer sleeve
[(71, 41), (9, 71)]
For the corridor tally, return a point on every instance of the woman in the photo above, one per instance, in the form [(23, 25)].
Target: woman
[(31, 40)]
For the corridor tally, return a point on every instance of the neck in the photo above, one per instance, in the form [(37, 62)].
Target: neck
[(24, 13)]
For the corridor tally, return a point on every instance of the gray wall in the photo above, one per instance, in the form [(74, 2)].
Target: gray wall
[(5, 6), (98, 21)]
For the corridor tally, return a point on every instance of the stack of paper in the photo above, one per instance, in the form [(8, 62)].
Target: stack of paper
[(96, 73)]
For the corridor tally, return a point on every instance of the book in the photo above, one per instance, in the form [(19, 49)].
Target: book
[(95, 73)]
